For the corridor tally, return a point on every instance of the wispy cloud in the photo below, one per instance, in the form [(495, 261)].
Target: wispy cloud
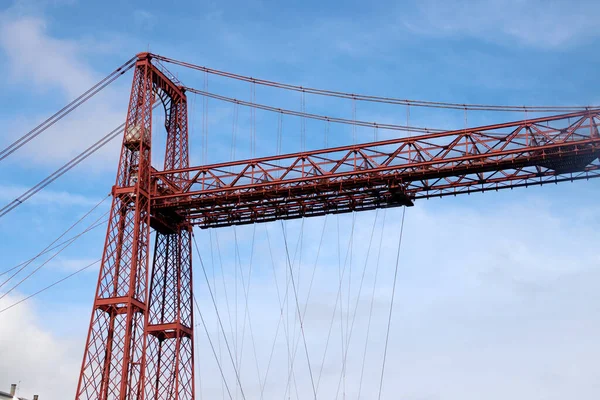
[(47, 197), (144, 19), (42, 362), (72, 264), (535, 23), (39, 60)]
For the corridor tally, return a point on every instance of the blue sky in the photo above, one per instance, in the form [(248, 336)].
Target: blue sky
[(496, 291)]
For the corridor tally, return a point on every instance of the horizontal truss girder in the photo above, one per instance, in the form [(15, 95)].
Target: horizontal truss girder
[(384, 174)]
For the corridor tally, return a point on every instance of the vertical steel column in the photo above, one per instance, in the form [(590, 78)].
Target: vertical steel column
[(170, 351), (113, 362), (170, 354)]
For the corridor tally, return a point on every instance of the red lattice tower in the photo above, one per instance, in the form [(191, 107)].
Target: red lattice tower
[(140, 342)]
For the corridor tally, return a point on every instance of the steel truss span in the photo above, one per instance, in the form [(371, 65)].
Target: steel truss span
[(387, 173), (140, 341)]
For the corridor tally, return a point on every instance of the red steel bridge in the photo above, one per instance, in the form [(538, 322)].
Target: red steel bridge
[(140, 342)]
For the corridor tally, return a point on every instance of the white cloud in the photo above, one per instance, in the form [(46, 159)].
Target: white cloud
[(535, 23), (37, 59), (43, 363), (73, 264), (47, 197), (41, 61), (72, 135), (144, 19)]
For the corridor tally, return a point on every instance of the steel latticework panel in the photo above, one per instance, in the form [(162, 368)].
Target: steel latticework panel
[(387, 173), (140, 342)]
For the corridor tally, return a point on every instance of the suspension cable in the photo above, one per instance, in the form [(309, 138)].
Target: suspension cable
[(298, 309), (338, 296), (370, 98), (364, 357), (351, 329), (88, 94), (212, 347), (64, 169), (293, 350), (281, 322), (280, 319), (54, 247), (44, 263), (296, 344), (224, 285), (318, 117), (50, 286), (247, 314), (69, 241), (216, 303), (46, 249), (61, 171), (389, 323), (237, 375)]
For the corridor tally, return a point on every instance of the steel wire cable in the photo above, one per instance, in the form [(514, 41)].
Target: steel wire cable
[(281, 322), (318, 117), (64, 169), (46, 249), (51, 248), (299, 275), (371, 98), (218, 316), (298, 309), (70, 240), (280, 319), (296, 343), (198, 367), (235, 312), (290, 279), (247, 315), (88, 94), (50, 286), (216, 302), (351, 329), (212, 346), (346, 330), (297, 255), (61, 171), (364, 357), (389, 323), (338, 297), (224, 285), (212, 259), (45, 262), (230, 319)]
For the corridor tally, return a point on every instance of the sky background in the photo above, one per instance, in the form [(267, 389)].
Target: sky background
[(497, 293)]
